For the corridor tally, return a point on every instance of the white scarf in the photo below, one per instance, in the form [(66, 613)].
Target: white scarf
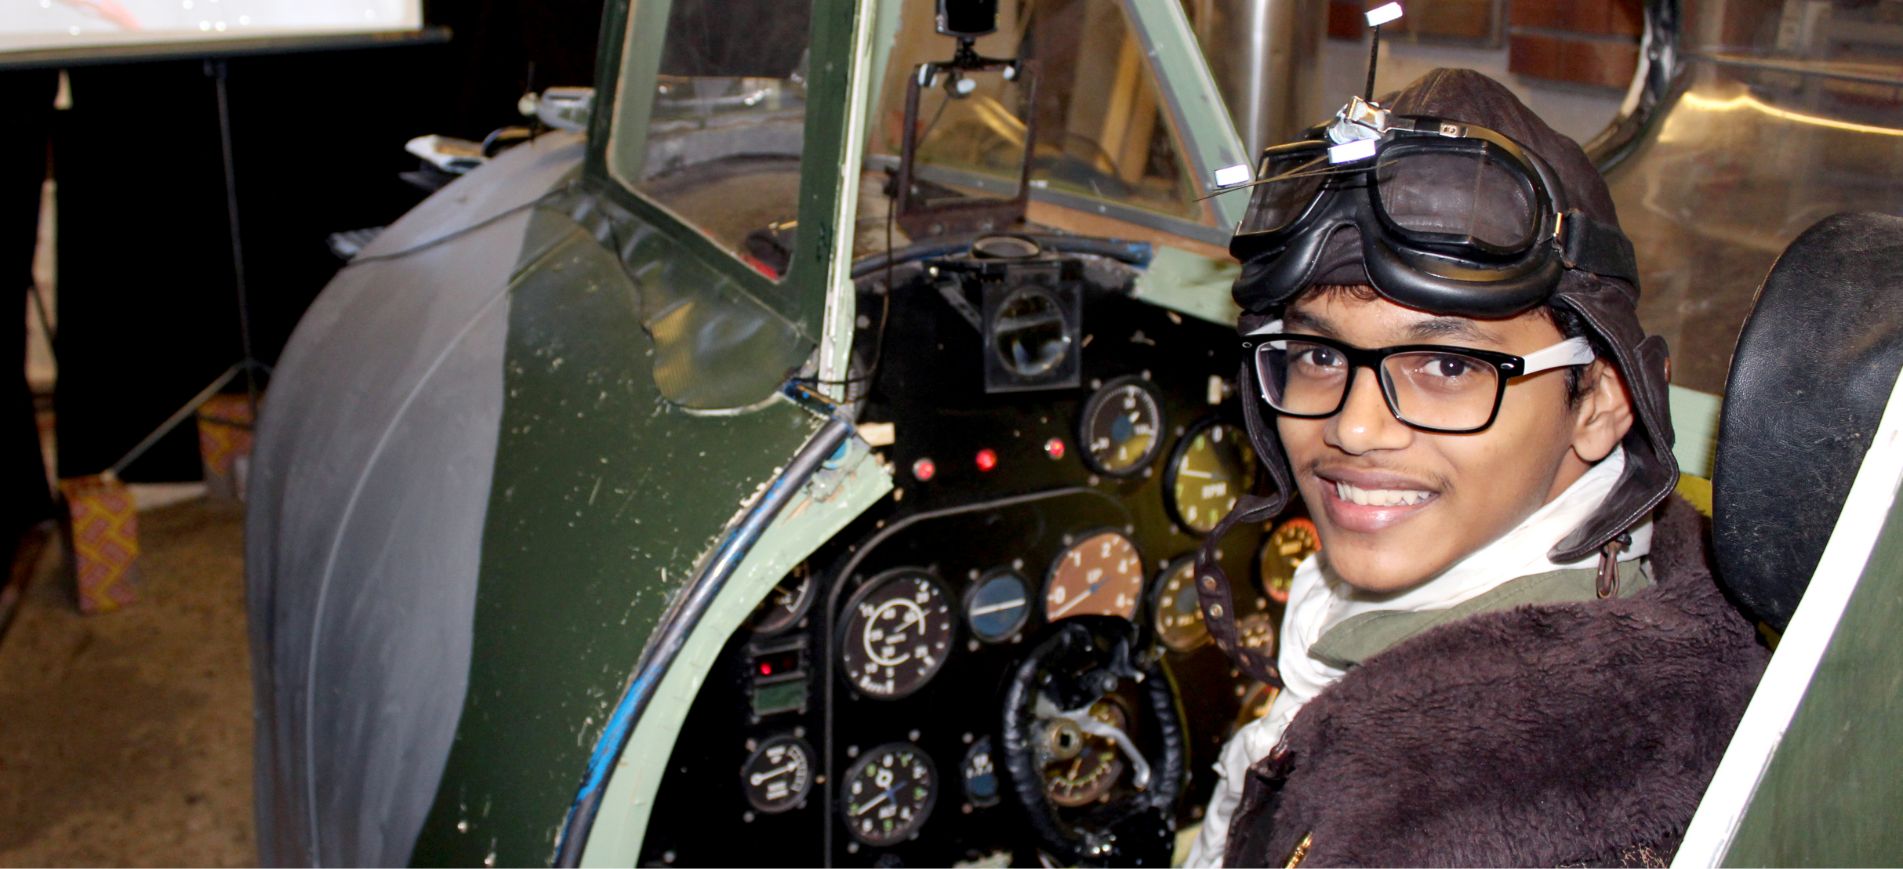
[(1318, 602)]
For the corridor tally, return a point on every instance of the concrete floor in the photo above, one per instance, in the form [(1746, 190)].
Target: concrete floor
[(125, 738)]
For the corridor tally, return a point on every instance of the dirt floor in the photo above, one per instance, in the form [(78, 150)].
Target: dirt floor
[(125, 738)]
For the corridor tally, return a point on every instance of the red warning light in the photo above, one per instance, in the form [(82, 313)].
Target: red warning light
[(1054, 448), (924, 470), (766, 669), (987, 459)]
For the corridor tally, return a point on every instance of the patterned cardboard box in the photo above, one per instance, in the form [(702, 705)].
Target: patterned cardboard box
[(224, 444), (103, 531)]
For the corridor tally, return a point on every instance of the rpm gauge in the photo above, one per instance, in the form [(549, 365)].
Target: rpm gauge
[(889, 793), (1121, 427), (898, 631), (1099, 575), (1177, 612), (1213, 465)]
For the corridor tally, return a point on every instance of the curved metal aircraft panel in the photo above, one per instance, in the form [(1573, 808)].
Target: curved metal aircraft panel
[(380, 438)]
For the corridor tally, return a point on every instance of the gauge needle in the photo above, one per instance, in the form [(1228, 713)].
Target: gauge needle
[(882, 797), (776, 772), (909, 620), (1092, 589), (997, 607), (1192, 472)]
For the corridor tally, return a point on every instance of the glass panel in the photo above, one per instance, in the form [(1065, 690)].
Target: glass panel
[(715, 133), (1101, 129), (1794, 111)]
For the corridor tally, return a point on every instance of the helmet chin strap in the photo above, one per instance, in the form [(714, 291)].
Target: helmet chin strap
[(1212, 583)]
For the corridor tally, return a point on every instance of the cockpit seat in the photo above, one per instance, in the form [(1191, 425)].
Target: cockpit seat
[(1810, 378)]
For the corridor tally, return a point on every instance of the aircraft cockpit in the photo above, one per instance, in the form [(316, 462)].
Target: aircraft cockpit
[(830, 467)]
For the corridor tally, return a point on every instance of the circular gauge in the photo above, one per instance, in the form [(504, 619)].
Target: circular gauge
[(898, 631), (1100, 575), (1080, 768), (786, 603), (1121, 427), (1213, 465), (997, 606), (1257, 632), (1291, 544), (1178, 614), (779, 774), (981, 776), (1255, 704), (889, 792)]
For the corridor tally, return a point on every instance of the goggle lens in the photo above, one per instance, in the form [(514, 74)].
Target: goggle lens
[(1470, 196), (1286, 186)]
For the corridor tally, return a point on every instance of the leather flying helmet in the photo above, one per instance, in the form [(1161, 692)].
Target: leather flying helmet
[(1449, 196)]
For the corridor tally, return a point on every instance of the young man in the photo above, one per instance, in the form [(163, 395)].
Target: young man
[(1507, 652)]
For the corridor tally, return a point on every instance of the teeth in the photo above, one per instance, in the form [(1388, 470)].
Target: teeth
[(1381, 497)]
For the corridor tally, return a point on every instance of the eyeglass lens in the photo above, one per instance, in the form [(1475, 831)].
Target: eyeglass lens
[(1449, 391)]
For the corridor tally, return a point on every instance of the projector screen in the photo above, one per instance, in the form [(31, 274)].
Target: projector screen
[(47, 32)]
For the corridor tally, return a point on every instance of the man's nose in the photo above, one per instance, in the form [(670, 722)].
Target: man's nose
[(1365, 424)]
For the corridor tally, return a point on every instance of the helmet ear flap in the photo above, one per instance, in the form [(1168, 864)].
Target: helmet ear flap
[(1268, 447), (1212, 583)]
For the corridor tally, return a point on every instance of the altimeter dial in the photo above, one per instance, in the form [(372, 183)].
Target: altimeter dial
[(897, 633)]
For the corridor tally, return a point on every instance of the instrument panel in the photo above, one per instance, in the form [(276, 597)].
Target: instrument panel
[(876, 669)]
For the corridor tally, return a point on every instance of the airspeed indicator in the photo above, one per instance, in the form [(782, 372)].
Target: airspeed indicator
[(898, 630)]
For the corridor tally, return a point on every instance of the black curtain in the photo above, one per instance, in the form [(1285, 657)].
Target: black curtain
[(26, 101), (148, 312)]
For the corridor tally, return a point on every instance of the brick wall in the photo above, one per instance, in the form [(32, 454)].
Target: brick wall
[(1587, 42), (1595, 42)]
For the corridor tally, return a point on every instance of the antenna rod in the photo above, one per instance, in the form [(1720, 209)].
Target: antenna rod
[(1374, 57), (1383, 14)]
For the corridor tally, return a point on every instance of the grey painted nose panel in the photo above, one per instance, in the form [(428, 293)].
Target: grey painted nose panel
[(370, 481)]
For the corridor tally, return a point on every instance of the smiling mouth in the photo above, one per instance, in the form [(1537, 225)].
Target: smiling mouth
[(1380, 497)]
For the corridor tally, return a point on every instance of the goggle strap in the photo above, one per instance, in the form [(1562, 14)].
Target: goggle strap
[(1590, 245)]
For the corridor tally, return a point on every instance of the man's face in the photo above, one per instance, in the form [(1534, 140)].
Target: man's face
[(1363, 473)]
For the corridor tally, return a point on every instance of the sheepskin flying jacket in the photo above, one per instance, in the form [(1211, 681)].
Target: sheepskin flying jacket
[(1545, 735)]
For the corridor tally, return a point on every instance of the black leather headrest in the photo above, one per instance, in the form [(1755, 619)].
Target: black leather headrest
[(1810, 379)]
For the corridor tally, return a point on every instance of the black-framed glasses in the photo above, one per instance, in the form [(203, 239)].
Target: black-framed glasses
[(1433, 387)]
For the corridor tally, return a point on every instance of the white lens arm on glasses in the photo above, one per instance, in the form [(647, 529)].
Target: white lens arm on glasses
[(1572, 351)]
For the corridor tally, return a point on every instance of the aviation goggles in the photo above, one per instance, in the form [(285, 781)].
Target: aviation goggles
[(1452, 217), (1432, 387)]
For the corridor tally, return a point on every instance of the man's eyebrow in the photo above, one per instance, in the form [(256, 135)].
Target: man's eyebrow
[(1452, 327), (1301, 321)]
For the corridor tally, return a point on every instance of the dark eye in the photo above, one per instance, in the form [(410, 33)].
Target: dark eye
[(1315, 356), (1449, 366)]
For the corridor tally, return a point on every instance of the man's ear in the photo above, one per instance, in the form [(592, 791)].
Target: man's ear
[(1604, 413)]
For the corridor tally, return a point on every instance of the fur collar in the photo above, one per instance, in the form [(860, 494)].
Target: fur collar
[(1543, 735)]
